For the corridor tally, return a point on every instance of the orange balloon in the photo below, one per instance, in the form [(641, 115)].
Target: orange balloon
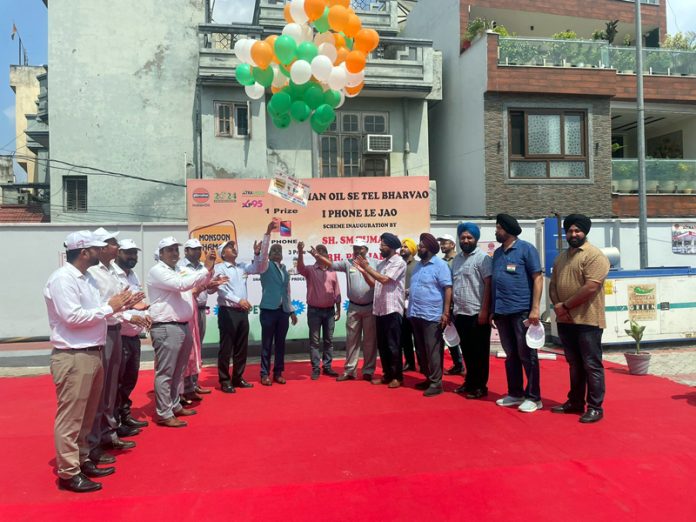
[(355, 90), (275, 89), (344, 3), (314, 8), (262, 54), (340, 41), (270, 40), (338, 17), (366, 40), (287, 15), (341, 54), (352, 26), (355, 61)]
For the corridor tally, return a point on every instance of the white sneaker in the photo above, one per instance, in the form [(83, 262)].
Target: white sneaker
[(509, 400), (530, 406)]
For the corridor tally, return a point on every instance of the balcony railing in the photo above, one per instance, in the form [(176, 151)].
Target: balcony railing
[(648, 2), (664, 176), (546, 52)]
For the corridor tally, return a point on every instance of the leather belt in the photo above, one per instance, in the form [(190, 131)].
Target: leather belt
[(234, 308), (87, 349), (359, 304), (164, 323), (321, 307)]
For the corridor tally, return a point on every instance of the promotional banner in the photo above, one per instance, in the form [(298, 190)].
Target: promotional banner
[(338, 211)]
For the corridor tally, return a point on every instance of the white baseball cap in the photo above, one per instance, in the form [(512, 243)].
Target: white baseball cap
[(222, 247), (536, 336), (127, 244), (446, 237), (102, 234), (193, 243), (156, 255), (167, 241), (359, 242), (82, 239)]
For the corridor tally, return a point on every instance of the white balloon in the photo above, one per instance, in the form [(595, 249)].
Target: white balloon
[(300, 72), (255, 91), (337, 78), (353, 80), (321, 67), (297, 11), (326, 37), (343, 99), (294, 31), (307, 33), (279, 79), (329, 50)]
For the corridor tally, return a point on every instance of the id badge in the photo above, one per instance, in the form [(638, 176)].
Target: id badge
[(511, 268)]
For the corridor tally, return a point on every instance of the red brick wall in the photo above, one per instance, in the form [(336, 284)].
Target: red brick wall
[(658, 205)]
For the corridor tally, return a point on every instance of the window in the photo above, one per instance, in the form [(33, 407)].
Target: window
[(231, 120), (75, 193), (341, 147), (547, 144)]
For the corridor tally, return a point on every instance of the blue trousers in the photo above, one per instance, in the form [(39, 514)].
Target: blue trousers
[(518, 356), (274, 329)]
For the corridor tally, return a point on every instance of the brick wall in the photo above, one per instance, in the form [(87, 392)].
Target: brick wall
[(534, 200), (659, 205)]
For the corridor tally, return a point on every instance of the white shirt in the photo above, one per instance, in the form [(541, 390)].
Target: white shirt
[(130, 281), (186, 265), (76, 313), (169, 291), (108, 285)]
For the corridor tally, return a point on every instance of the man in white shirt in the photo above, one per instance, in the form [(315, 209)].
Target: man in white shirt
[(122, 266), (234, 308), (77, 318), (104, 433), (171, 308)]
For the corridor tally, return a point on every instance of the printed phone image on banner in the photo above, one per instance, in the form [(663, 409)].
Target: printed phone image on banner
[(286, 228)]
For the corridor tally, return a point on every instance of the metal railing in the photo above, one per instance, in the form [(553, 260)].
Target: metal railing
[(545, 52), (664, 176)]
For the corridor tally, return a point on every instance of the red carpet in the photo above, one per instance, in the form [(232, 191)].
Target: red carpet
[(345, 451)]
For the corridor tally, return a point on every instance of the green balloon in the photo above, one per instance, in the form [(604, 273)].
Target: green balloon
[(300, 111), (274, 113), (307, 51), (316, 125), (282, 122), (332, 98), (325, 114), (299, 90), (285, 71), (263, 76), (349, 43), (314, 96), (321, 24), (244, 74), (281, 102), (285, 49)]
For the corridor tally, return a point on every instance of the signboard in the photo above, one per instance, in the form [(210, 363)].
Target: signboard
[(337, 211), (642, 302), (684, 238)]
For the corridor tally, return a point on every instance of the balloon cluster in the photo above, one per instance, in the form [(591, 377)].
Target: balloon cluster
[(317, 62)]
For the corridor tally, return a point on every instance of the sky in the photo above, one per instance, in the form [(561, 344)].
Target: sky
[(31, 19)]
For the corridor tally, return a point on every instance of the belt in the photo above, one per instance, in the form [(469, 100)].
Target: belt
[(234, 308), (359, 304), (321, 307), (114, 327), (169, 322), (203, 307), (87, 349)]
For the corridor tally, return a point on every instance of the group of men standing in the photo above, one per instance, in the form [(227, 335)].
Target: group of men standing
[(97, 312)]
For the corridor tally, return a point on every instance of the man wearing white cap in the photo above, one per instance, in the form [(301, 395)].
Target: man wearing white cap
[(234, 308), (171, 309), (122, 266), (77, 318), (106, 424), (360, 322), (448, 247)]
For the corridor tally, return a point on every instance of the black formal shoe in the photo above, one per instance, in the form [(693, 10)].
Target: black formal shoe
[(330, 372), (134, 423), (432, 391), (99, 456), (127, 431), (315, 375), (461, 389), (567, 407), (409, 367), (79, 484), (243, 384), (367, 377), (119, 444), (184, 401), (90, 469), (476, 394), (591, 415), (227, 388), (454, 370), (423, 385)]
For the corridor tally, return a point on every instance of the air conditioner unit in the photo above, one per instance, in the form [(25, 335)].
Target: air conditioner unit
[(378, 143)]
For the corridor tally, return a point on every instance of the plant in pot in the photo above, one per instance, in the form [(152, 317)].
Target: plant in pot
[(638, 362)]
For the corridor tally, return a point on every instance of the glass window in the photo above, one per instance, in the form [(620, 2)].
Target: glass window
[(544, 134), (75, 193), (375, 166), (224, 120), (329, 156), (232, 120), (241, 120), (375, 124), (573, 138), (517, 133), (351, 156), (528, 169), (567, 169), (350, 123)]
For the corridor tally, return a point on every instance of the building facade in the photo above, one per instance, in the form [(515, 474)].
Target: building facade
[(138, 109), (545, 121)]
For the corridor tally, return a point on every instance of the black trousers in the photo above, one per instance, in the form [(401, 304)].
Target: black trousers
[(407, 343), (430, 348), (128, 376), (582, 344), (389, 345), (476, 350), (234, 342)]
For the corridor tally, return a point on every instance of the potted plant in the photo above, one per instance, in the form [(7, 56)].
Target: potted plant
[(638, 362)]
